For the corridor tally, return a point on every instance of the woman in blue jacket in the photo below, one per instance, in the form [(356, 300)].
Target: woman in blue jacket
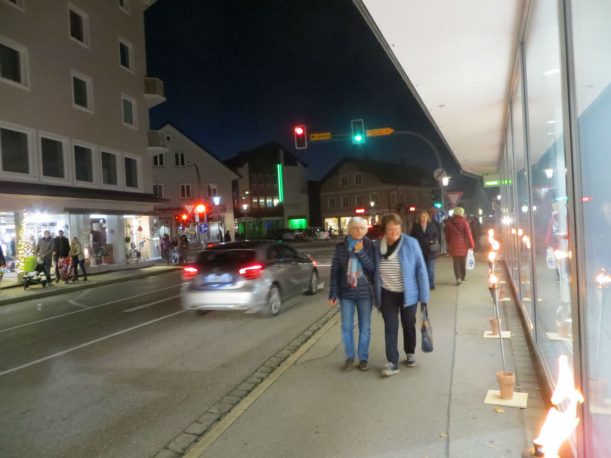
[(401, 282), (352, 272)]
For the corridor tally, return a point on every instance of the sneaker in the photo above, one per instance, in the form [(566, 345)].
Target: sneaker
[(411, 360), (463, 280), (389, 370), (457, 282), (348, 365), (364, 366)]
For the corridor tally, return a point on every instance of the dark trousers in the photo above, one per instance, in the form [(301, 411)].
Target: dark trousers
[(460, 267), (75, 263), (392, 306), (47, 263)]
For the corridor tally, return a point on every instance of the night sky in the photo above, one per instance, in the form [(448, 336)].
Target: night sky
[(239, 74)]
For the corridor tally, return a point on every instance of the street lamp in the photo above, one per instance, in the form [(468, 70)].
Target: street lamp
[(445, 180), (373, 212)]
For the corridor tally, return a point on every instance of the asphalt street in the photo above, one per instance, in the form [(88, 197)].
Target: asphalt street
[(119, 370)]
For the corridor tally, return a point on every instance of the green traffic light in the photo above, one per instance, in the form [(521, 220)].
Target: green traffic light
[(358, 138), (437, 205)]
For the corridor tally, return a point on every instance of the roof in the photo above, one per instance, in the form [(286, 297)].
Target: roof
[(270, 149), (388, 172)]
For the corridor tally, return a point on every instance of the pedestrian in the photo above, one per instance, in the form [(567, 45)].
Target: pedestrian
[(425, 231), (402, 282), (183, 249), (352, 273), (2, 263), (460, 241), (44, 250), (476, 232), (227, 236), (62, 250), (78, 258), (166, 248)]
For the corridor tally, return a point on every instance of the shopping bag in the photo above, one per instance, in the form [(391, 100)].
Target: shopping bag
[(470, 260), (426, 329), (550, 259)]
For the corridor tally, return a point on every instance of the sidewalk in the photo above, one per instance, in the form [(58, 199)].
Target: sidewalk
[(435, 409)]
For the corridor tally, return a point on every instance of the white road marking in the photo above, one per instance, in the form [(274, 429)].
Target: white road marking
[(85, 310), (86, 344), (77, 304), (133, 309)]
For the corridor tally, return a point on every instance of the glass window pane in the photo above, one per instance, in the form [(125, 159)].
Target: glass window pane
[(80, 92), (124, 55), (128, 112), (83, 163), (76, 26), (52, 158), (14, 148), (131, 172), (10, 65), (109, 168), (548, 180)]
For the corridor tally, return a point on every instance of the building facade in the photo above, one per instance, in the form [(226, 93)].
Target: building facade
[(185, 174), (362, 187), (74, 127)]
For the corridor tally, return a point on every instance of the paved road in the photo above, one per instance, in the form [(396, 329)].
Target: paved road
[(120, 370)]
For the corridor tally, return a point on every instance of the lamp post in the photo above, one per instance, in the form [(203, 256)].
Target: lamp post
[(372, 211), (199, 198), (245, 209), (216, 200)]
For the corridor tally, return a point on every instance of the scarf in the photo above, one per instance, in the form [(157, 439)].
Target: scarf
[(387, 250), (355, 269)]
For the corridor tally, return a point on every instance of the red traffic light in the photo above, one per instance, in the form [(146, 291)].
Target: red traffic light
[(200, 208), (184, 217), (301, 137)]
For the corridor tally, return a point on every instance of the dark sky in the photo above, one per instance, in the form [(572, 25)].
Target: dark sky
[(239, 74)]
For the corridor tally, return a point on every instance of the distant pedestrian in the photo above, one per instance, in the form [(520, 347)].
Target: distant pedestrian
[(476, 232), (44, 250), (78, 258), (402, 282), (166, 248), (352, 273), (2, 263), (227, 236), (460, 241), (183, 249), (425, 231)]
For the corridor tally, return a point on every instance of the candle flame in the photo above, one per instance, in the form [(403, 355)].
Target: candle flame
[(561, 254), (492, 256), (492, 281), (520, 232), (526, 240), (496, 245), (491, 233)]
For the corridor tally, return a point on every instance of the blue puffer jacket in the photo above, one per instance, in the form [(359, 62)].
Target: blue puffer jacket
[(415, 276), (338, 284)]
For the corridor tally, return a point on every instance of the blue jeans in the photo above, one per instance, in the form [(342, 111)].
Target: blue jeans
[(363, 309), (430, 267)]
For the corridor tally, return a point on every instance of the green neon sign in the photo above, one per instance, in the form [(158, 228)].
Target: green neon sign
[(280, 183)]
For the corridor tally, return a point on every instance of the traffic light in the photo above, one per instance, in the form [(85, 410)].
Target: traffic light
[(301, 137), (436, 198), (200, 208), (358, 131)]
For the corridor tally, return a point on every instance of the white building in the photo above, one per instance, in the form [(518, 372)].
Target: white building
[(186, 174), (74, 136)]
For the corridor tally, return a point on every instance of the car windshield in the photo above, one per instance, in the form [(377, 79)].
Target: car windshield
[(225, 257)]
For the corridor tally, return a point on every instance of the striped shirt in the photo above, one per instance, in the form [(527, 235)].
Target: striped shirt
[(390, 272)]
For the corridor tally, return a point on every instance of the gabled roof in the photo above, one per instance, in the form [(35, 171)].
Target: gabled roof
[(388, 172), (269, 148)]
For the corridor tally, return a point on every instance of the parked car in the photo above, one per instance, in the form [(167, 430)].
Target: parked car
[(316, 233), (250, 276)]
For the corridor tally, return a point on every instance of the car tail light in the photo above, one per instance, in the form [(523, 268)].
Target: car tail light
[(189, 272), (251, 271)]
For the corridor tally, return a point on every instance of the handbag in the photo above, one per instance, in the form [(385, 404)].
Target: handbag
[(426, 329), (435, 247)]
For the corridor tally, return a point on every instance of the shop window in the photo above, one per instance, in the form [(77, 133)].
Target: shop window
[(13, 63), (79, 25), (159, 160), (131, 172), (126, 54), (82, 91), (158, 191), (83, 163), (14, 151), (109, 169), (179, 159), (128, 106), (185, 191), (269, 202), (52, 158)]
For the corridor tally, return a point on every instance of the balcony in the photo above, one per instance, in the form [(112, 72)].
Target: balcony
[(154, 93), (156, 142)]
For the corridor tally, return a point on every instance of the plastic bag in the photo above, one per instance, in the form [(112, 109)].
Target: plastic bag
[(550, 259), (470, 260), (426, 329)]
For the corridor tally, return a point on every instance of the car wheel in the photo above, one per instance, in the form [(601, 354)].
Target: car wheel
[(274, 302), (313, 283)]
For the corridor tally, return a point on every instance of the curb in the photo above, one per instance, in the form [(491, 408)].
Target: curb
[(56, 292), (186, 442)]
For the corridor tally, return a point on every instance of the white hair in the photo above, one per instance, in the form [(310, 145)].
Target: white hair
[(356, 221)]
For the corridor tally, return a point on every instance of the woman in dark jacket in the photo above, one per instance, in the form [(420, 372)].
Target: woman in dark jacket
[(460, 241), (352, 272), (425, 232)]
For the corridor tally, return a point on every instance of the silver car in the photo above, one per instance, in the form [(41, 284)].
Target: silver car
[(256, 276)]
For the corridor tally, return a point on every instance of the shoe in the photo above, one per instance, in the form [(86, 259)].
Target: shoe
[(457, 282), (390, 370), (363, 366), (411, 360), (463, 280), (348, 365), (431, 288)]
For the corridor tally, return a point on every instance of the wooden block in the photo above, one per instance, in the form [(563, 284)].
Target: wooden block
[(519, 400), (489, 335)]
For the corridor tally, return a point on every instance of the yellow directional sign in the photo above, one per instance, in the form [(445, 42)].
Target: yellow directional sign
[(314, 137), (380, 132)]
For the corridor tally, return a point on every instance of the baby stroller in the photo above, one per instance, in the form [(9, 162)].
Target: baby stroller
[(33, 272), (64, 267)]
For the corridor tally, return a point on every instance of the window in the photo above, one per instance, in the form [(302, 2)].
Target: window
[(79, 25), (82, 91), (131, 172), (255, 202), (359, 200), (52, 158), (13, 63), (269, 202), (128, 106), (14, 151), (109, 169), (158, 160), (331, 203), (373, 197), (179, 159), (343, 180), (83, 163), (262, 202), (185, 191), (124, 5), (358, 178), (126, 55), (345, 201), (211, 190), (158, 191)]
